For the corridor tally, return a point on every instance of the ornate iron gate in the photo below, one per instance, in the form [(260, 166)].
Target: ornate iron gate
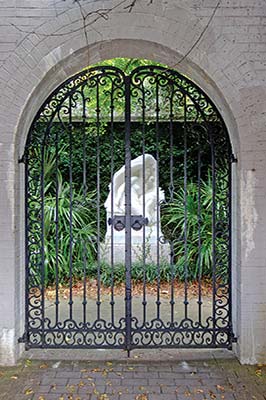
[(128, 215)]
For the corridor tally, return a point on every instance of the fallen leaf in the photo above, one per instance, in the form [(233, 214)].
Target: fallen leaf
[(109, 363), (28, 391), (43, 366), (41, 398), (219, 387), (141, 397), (199, 391), (14, 377)]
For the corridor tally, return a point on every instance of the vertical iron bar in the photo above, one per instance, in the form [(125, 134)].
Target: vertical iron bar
[(56, 230), (144, 300), (42, 239), (84, 187), (199, 232), (70, 214), (26, 183), (213, 237), (112, 302), (157, 110), (171, 192), (185, 210), (98, 303), (128, 304), (229, 218)]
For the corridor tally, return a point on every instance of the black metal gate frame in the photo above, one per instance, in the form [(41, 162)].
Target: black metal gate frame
[(128, 333)]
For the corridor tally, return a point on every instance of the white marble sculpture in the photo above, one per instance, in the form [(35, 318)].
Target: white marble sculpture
[(144, 200)]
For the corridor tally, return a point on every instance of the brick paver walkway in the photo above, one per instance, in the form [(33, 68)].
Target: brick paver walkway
[(178, 378)]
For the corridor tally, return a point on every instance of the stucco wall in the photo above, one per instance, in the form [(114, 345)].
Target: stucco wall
[(43, 42)]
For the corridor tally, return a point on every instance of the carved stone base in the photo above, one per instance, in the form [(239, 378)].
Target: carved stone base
[(151, 255)]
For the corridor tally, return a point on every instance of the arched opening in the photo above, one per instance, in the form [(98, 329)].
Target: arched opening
[(128, 213)]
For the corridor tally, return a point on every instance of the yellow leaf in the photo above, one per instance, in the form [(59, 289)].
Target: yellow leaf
[(199, 391), (28, 363), (141, 397), (81, 383), (109, 363), (41, 398), (130, 368), (42, 366), (219, 387), (28, 391), (14, 377), (71, 388)]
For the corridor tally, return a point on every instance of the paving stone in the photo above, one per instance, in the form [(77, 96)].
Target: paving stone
[(54, 381), (155, 383), (68, 374), (163, 397)]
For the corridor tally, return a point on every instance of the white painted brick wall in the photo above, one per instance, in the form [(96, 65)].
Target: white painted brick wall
[(38, 41)]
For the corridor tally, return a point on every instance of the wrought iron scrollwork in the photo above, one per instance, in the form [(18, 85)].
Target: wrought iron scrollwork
[(190, 142)]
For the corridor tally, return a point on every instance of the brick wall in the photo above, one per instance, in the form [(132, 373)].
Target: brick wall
[(43, 42)]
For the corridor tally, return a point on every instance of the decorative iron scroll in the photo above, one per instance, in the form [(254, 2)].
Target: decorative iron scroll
[(154, 110)]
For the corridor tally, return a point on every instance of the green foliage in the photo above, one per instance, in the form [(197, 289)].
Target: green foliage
[(138, 270), (83, 233), (57, 227), (193, 224), (83, 140)]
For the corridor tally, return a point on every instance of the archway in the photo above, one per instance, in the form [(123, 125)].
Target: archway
[(168, 206)]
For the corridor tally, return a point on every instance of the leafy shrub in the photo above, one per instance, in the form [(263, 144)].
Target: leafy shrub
[(193, 254)]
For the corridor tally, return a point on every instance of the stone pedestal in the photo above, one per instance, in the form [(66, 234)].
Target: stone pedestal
[(152, 250)]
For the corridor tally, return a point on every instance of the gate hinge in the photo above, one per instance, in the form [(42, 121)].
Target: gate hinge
[(22, 159), (234, 339), (23, 338), (233, 158)]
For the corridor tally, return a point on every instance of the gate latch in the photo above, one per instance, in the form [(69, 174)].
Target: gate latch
[(136, 222)]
